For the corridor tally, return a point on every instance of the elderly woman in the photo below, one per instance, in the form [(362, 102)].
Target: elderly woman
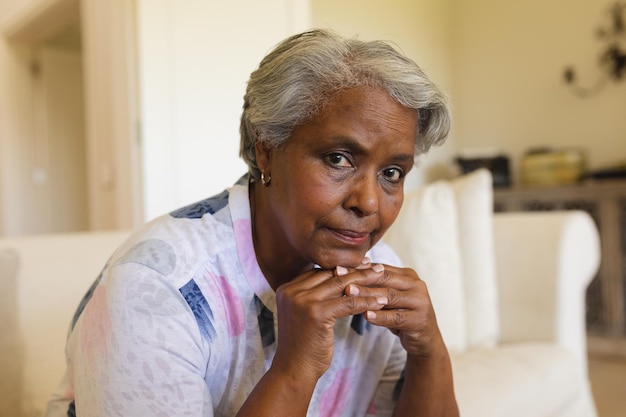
[(276, 297)]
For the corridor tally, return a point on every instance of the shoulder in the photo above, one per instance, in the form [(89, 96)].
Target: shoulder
[(177, 245), (208, 207)]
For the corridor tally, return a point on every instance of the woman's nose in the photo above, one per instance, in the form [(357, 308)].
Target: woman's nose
[(364, 197)]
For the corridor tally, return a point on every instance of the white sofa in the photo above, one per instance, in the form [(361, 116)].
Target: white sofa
[(508, 291)]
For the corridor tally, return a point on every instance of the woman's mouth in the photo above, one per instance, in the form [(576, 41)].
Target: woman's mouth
[(351, 237)]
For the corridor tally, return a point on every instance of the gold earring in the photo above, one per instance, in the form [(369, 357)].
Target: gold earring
[(265, 179)]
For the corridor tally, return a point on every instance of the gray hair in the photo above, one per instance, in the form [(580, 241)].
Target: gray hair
[(303, 72)]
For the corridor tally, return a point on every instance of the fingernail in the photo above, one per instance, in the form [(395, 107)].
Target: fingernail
[(340, 270), (353, 290), (370, 315), (378, 267), (366, 261), (382, 300)]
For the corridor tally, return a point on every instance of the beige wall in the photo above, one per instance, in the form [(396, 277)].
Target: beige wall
[(16, 138), (43, 141), (63, 172), (10, 8), (10, 167), (502, 64), (508, 89)]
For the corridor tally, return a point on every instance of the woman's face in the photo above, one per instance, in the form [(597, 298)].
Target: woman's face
[(337, 183)]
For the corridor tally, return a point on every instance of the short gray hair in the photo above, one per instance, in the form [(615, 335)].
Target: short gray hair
[(303, 72)]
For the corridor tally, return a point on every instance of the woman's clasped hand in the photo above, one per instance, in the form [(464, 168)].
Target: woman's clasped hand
[(387, 296)]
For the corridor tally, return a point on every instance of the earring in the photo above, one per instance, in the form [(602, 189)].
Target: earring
[(265, 179)]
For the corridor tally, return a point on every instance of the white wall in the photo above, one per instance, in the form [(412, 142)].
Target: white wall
[(507, 71), (195, 57)]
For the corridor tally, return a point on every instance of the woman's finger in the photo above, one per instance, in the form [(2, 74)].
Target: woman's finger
[(322, 285)]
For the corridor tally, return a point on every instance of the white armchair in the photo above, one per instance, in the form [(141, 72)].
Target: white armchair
[(544, 263), (510, 299)]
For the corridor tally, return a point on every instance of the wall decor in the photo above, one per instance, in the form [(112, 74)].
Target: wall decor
[(612, 58)]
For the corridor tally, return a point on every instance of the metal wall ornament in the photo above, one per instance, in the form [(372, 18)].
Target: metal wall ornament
[(612, 59)]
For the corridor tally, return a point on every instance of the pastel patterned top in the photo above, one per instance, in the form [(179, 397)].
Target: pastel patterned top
[(182, 322)]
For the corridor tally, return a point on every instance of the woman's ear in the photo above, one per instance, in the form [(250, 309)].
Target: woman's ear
[(263, 155)]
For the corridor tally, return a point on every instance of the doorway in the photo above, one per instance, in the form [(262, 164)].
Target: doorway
[(45, 173), (59, 158), (69, 129)]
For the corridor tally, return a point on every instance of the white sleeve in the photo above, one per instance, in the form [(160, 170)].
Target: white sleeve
[(137, 350)]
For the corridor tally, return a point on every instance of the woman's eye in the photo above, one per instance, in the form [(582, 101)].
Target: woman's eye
[(338, 159), (393, 174)]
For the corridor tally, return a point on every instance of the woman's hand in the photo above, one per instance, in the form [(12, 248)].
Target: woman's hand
[(409, 312), (308, 308), (428, 389)]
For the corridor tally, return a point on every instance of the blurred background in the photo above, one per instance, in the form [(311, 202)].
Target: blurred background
[(113, 112)]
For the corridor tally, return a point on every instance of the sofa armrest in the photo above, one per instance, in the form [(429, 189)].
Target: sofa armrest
[(52, 276), (544, 263)]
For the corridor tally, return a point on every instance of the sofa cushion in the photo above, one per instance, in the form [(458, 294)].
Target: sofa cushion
[(425, 237), (474, 196), (519, 380), (445, 232)]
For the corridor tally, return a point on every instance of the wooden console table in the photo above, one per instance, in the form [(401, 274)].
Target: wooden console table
[(605, 201)]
